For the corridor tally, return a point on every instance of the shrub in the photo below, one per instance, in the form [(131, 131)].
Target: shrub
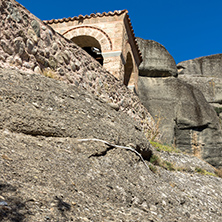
[(153, 168), (155, 160), (204, 172), (160, 147)]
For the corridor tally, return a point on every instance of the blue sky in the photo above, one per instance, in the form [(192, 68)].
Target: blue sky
[(187, 28)]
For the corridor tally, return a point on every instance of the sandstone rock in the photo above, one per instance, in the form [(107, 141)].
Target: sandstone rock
[(47, 53), (37, 70), (47, 39), (19, 45), (48, 174), (59, 57), (184, 116), (17, 60), (41, 60), (14, 12), (73, 66), (5, 46), (209, 66), (32, 35), (157, 62), (52, 62), (46, 121), (36, 27), (2, 57), (38, 52), (205, 73), (61, 71), (9, 60), (55, 47), (46, 168), (66, 56)]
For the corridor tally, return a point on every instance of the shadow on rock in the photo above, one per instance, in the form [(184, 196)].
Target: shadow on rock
[(11, 208)]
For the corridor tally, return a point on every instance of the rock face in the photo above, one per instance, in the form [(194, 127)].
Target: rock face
[(205, 73), (46, 107), (184, 116), (157, 61), (204, 66), (27, 44), (48, 174)]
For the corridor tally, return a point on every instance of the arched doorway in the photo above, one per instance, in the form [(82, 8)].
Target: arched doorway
[(90, 45), (128, 69)]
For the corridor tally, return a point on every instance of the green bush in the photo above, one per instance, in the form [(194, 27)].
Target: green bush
[(155, 160), (160, 147)]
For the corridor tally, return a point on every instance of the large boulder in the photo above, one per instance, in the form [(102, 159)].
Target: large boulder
[(184, 116), (205, 73), (209, 66), (181, 111), (157, 61)]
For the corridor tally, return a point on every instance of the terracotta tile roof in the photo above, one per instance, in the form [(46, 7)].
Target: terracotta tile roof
[(94, 15), (116, 12)]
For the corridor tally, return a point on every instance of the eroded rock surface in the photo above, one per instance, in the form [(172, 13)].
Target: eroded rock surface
[(184, 116), (157, 61), (47, 174), (35, 105), (205, 73)]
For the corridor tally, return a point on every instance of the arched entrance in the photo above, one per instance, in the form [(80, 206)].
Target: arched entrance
[(128, 69), (90, 45)]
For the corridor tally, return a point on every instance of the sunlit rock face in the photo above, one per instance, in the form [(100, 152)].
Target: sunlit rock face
[(183, 114), (205, 73), (157, 61)]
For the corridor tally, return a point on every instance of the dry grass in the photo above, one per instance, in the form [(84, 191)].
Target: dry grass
[(161, 147), (218, 172), (50, 74)]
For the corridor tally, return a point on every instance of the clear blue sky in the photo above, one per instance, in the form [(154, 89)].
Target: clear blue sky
[(187, 28)]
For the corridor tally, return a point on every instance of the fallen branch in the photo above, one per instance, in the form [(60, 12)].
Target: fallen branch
[(117, 146)]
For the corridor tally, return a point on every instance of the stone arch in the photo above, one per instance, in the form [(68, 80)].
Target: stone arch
[(102, 37), (90, 45), (128, 70)]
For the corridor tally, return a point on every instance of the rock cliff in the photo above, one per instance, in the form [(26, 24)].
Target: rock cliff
[(52, 171), (185, 117), (205, 73), (157, 61)]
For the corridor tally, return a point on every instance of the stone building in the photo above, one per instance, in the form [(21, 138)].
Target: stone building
[(109, 38)]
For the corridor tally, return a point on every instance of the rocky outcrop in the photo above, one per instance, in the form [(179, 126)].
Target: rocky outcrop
[(205, 73), (184, 116), (208, 66), (157, 61), (27, 44), (48, 174), (46, 107)]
